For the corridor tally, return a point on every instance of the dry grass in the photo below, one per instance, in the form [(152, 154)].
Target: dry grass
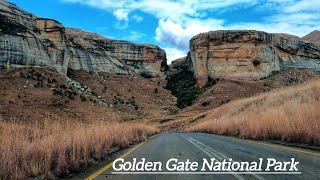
[(58, 148), (290, 114)]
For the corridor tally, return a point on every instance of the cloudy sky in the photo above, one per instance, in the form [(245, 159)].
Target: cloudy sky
[(171, 23)]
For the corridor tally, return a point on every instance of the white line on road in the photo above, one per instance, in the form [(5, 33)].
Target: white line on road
[(211, 155), (208, 150), (212, 150)]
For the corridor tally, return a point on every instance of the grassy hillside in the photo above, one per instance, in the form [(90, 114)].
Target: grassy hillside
[(290, 114)]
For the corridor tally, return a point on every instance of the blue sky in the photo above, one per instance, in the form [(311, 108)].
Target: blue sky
[(171, 23)]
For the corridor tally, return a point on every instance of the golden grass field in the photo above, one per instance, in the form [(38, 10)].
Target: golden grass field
[(58, 148), (290, 114)]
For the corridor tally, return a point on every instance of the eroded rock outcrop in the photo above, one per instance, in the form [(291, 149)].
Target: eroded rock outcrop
[(145, 59), (26, 40), (248, 55), (20, 42)]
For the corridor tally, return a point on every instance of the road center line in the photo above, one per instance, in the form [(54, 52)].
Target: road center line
[(216, 156), (205, 151), (224, 156), (237, 176), (210, 149)]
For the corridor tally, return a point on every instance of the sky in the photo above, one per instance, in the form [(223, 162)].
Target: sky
[(170, 24)]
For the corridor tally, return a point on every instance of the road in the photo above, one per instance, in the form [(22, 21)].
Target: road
[(198, 146)]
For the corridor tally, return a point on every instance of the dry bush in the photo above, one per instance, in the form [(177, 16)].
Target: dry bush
[(290, 114), (59, 148)]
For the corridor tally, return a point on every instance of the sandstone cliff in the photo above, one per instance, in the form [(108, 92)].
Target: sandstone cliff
[(145, 59), (26, 40), (248, 55)]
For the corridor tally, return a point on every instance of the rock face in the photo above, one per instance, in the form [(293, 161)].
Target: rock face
[(313, 37), (20, 42), (247, 55), (26, 40), (145, 59)]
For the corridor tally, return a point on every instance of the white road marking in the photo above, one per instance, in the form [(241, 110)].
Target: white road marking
[(253, 174), (208, 150), (237, 176)]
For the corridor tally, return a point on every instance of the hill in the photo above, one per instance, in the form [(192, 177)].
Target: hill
[(313, 37), (289, 114)]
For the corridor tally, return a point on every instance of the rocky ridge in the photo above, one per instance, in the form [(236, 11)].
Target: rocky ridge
[(247, 55), (27, 40)]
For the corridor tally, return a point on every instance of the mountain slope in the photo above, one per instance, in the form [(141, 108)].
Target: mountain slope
[(313, 37), (32, 94), (289, 114)]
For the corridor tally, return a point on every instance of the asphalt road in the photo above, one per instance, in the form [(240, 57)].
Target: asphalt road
[(198, 146)]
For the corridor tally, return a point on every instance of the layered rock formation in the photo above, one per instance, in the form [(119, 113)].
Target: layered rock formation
[(146, 59), (20, 42), (26, 40), (247, 55)]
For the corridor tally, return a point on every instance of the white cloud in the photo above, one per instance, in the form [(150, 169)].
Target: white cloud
[(302, 5), (122, 17), (172, 9), (178, 36), (121, 14), (137, 18), (173, 54), (179, 20), (299, 24)]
